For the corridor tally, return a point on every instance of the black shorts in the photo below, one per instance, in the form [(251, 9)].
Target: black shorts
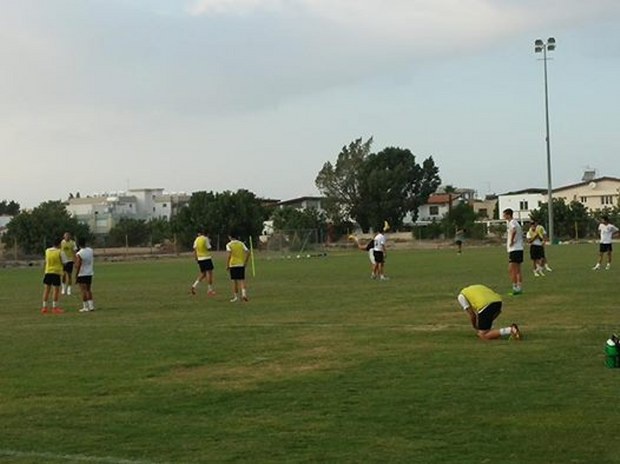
[(85, 279), (52, 279), (379, 256), (205, 265), (537, 252), (605, 248), (237, 273), (488, 315), (458, 242), (68, 267), (515, 256)]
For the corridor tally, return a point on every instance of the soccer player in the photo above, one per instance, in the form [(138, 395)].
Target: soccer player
[(607, 231), (379, 253), (483, 305), (238, 255), (514, 246), (52, 277), (67, 253), (459, 238), (537, 251), (84, 271), (202, 255)]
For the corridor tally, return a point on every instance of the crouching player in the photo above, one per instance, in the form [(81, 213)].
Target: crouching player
[(483, 305)]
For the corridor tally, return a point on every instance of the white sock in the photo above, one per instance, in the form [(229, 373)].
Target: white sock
[(243, 293), (210, 288), (505, 331), (44, 304), (91, 304), (196, 284)]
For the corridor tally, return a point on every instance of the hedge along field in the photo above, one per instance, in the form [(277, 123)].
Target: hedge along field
[(322, 365)]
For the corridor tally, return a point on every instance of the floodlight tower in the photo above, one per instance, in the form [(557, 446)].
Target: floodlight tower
[(544, 47)]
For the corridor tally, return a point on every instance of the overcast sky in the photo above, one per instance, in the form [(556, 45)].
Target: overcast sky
[(102, 95)]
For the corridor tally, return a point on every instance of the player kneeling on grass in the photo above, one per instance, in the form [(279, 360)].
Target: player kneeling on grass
[(483, 305), (238, 255)]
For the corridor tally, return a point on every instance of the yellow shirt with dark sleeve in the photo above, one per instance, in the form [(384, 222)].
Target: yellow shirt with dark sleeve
[(237, 253), (53, 262), (480, 297)]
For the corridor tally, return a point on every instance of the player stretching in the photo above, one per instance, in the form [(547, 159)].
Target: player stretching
[(67, 253), (84, 271)]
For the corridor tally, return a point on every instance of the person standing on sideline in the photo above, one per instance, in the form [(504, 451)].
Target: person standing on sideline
[(52, 277), (202, 255), (537, 252), (514, 246), (84, 271), (67, 253), (379, 251), (459, 237), (543, 237), (483, 305), (607, 231), (238, 255)]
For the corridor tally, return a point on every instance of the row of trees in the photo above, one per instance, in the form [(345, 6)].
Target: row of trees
[(372, 187)]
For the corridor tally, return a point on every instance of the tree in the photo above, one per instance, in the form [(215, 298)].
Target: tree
[(9, 208), (569, 221), (291, 218), (393, 184), (340, 183), (371, 188), (129, 231), (219, 214), (35, 230)]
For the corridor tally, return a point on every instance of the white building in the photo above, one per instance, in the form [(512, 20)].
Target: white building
[(102, 211), (522, 202)]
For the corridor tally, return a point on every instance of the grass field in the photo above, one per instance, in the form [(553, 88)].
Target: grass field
[(322, 365)]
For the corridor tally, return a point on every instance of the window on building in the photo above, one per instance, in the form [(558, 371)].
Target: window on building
[(483, 212), (607, 200), (153, 209), (583, 199), (523, 206), (434, 210), (165, 205)]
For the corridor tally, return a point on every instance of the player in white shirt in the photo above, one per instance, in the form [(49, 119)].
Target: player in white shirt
[(379, 252), (84, 269), (514, 246), (607, 232)]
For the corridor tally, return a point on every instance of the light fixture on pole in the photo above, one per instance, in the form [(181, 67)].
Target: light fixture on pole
[(544, 47)]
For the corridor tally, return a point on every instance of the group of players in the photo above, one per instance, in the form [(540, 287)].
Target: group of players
[(483, 305), (61, 260)]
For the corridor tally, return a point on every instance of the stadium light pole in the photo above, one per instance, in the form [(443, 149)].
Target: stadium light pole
[(544, 47)]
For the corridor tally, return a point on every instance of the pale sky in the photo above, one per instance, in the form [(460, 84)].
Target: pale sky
[(102, 95)]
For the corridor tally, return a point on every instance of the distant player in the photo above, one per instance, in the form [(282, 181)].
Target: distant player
[(514, 246), (607, 232), (369, 248), (238, 255), (67, 250), (380, 252), (202, 255), (84, 271), (483, 305), (459, 238), (52, 278), (537, 251)]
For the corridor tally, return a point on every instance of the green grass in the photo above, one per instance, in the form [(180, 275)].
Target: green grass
[(323, 365)]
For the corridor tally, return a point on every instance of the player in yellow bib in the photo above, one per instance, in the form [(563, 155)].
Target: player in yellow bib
[(67, 254), (202, 255), (483, 305), (52, 277), (238, 255)]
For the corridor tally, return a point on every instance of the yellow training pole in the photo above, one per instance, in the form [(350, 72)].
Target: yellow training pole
[(252, 258)]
